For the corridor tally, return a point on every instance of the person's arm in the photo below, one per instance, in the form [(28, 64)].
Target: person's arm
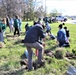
[(59, 36)]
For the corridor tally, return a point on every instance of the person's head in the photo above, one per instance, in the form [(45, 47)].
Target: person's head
[(63, 23), (39, 19), (27, 24), (4, 21), (60, 26), (16, 16), (34, 23), (65, 28)]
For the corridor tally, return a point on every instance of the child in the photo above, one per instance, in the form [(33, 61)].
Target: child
[(2, 29), (27, 27), (67, 34), (48, 28), (61, 36), (52, 37), (11, 24), (16, 26)]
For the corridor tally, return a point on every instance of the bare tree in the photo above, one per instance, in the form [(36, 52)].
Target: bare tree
[(12, 7), (26, 8), (40, 12), (33, 9), (55, 13)]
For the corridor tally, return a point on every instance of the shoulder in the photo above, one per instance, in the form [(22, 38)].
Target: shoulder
[(39, 26)]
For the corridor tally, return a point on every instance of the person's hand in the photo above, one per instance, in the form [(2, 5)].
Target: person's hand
[(44, 39), (43, 44)]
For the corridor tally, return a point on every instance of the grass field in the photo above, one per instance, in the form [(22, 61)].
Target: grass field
[(10, 55)]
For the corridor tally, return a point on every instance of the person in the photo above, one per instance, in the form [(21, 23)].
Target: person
[(52, 36), (7, 21), (27, 27), (61, 35), (48, 28), (20, 23), (34, 22), (63, 23), (32, 41), (16, 26), (67, 34), (11, 24), (2, 29), (39, 20)]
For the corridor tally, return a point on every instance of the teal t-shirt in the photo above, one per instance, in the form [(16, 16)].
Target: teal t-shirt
[(16, 23), (2, 27)]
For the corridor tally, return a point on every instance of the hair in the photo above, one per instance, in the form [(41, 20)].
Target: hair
[(16, 16), (65, 27), (4, 20), (63, 23), (34, 23), (60, 26)]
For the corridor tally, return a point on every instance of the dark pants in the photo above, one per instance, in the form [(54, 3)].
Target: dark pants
[(29, 47), (17, 30), (61, 43)]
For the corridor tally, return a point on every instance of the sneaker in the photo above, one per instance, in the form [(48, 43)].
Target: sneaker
[(41, 64)]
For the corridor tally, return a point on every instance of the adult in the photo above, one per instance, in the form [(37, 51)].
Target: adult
[(48, 28), (61, 35), (67, 34), (16, 26), (32, 41)]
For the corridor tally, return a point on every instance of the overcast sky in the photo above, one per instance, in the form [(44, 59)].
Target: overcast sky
[(67, 7)]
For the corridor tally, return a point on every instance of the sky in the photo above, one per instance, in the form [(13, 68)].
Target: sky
[(66, 7)]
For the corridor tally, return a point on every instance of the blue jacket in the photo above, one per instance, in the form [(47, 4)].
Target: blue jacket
[(61, 35), (34, 34)]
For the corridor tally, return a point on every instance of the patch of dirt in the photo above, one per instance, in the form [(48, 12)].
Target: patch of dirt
[(70, 55)]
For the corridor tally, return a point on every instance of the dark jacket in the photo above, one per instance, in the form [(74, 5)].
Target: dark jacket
[(33, 34)]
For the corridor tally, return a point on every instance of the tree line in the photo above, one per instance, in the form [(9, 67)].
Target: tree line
[(27, 9)]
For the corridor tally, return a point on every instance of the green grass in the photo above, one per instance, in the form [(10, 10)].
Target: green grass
[(11, 54)]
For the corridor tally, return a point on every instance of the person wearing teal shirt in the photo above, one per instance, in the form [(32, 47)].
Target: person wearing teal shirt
[(2, 29), (16, 26)]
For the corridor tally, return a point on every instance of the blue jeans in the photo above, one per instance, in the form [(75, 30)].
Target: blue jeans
[(35, 45), (1, 37)]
